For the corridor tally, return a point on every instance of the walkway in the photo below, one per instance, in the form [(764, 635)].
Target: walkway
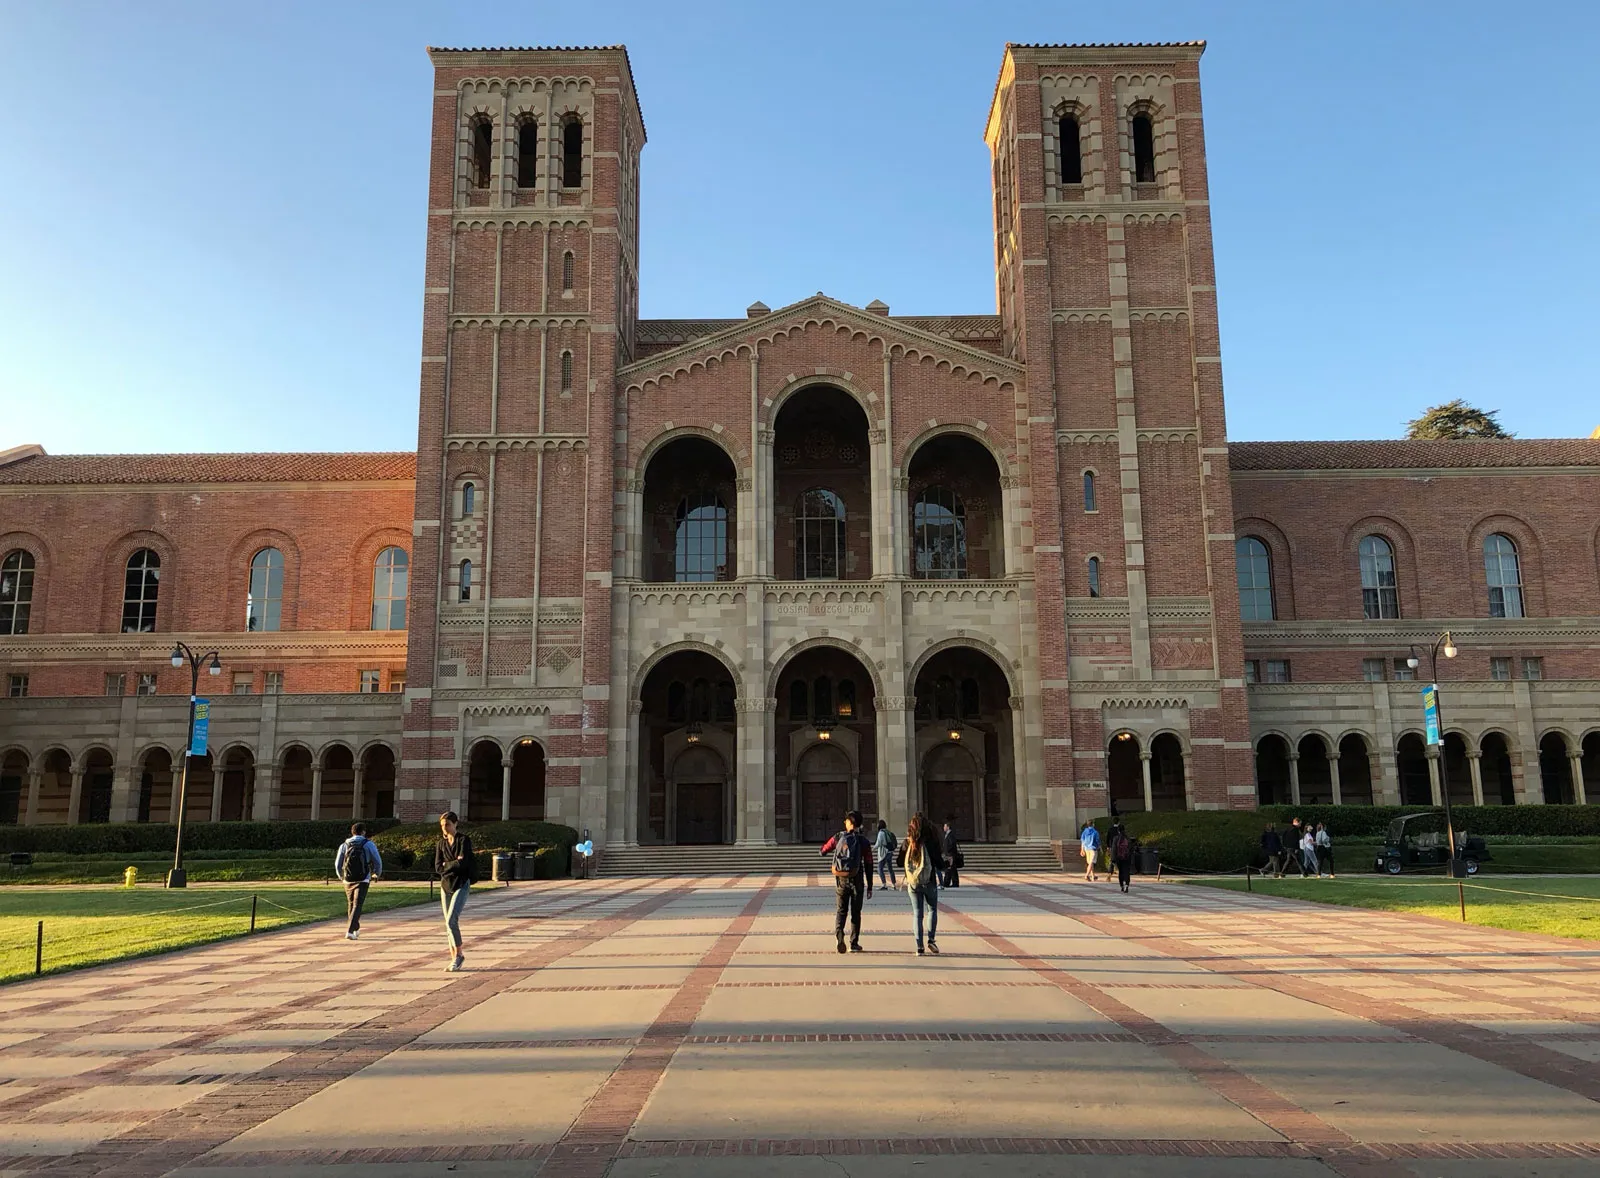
[(707, 1028)]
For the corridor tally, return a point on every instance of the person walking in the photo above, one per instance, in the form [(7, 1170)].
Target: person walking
[(1308, 853), (883, 851), (1122, 855), (950, 848), (1272, 848), (1324, 850), (923, 864), (852, 878), (457, 870), (1292, 848), (357, 863), (1089, 848)]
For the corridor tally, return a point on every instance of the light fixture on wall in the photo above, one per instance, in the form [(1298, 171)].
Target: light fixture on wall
[(692, 733), (955, 733), (824, 729), (1124, 736)]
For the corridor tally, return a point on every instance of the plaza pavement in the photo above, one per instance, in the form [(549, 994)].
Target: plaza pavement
[(707, 1027)]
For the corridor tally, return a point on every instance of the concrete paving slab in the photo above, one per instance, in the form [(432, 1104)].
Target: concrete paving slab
[(908, 1008), (219, 1063), (647, 947), (912, 1090), (128, 1098), (562, 974), (1252, 1011), (45, 1140), (1577, 1048), (285, 1169), (51, 1067), (277, 1037), (967, 1166), (531, 1015), (126, 1041)]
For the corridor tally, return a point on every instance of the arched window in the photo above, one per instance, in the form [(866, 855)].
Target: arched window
[(702, 538), (1070, 144), (819, 520), (822, 698), (971, 701), (1094, 576), (464, 583), (700, 700), (677, 703), (528, 154), (572, 154), (16, 592), (568, 265), (1504, 572), (1380, 592), (469, 499), (945, 700), (482, 151), (847, 699), (1253, 565), (139, 591), (1089, 501), (389, 580), (1144, 150), (264, 606), (566, 372), (725, 708), (799, 700), (939, 534)]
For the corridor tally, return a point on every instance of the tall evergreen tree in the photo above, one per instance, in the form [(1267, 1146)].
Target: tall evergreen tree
[(1456, 419)]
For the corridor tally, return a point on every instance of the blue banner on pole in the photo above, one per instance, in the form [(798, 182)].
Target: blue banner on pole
[(1430, 711), (202, 722)]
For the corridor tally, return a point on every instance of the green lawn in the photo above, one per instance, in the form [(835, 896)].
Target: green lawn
[(53, 867), (89, 926), (1562, 907)]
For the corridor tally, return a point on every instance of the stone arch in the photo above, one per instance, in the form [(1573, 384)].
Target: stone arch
[(1405, 560), (785, 657), (739, 457), (1004, 460), (982, 645), (648, 663), (1181, 737), (773, 405)]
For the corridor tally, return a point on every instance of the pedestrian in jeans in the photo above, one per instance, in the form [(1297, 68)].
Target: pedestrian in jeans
[(1308, 853), (358, 863), (852, 878), (1089, 848), (950, 848), (1293, 848), (1272, 848), (922, 880), (883, 852), (454, 865), (1324, 850), (1121, 855)]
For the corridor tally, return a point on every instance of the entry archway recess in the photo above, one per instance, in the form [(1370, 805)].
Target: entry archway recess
[(965, 766), (826, 750), (687, 750)]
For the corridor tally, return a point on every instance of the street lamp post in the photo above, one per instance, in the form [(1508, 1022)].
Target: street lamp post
[(1445, 643), (177, 877)]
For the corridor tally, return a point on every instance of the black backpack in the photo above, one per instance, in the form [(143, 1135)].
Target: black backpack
[(848, 860), (892, 843), (357, 865), (1121, 848)]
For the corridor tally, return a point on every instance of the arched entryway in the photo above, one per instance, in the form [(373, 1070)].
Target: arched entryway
[(338, 794), (687, 707), (1272, 771), (1555, 770), (953, 511), (1125, 773), (524, 801), (965, 760), (1591, 768), (826, 748), (485, 781), (1411, 764), (1456, 772), (689, 501), (1494, 764), (822, 488), (377, 782), (1168, 781), (156, 784), (294, 783), (238, 785), (94, 800), (1355, 771), (13, 786), (1316, 771)]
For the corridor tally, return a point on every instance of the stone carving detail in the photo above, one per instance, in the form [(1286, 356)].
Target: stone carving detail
[(1180, 654), (557, 658)]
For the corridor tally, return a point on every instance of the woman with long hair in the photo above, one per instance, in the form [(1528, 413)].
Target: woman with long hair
[(924, 867), (453, 864)]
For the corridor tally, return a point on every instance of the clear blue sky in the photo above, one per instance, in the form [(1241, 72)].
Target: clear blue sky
[(212, 215)]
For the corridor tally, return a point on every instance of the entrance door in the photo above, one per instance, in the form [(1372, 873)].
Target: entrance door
[(699, 812), (952, 798), (822, 807)]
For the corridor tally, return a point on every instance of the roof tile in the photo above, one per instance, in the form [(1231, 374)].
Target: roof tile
[(58, 469), (1414, 454)]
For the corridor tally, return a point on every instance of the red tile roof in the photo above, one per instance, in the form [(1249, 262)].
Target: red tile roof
[(1105, 44), (1414, 454), (56, 469)]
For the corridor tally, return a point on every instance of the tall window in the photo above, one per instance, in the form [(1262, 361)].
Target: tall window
[(264, 606), (1144, 150), (822, 699), (677, 702), (528, 154), (1380, 593), (568, 266), (16, 592), (819, 520), (389, 577), (939, 533), (1254, 567), (1094, 576), (469, 499), (572, 154), (566, 372), (1504, 572), (464, 583), (482, 151), (1090, 503), (702, 538), (139, 590), (1070, 144), (799, 701)]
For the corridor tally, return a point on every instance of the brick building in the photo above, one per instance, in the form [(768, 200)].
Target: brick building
[(715, 580)]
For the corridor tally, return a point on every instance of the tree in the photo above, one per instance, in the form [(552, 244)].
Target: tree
[(1456, 419)]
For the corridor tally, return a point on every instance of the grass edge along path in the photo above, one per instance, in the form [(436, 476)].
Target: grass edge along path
[(1567, 906), (97, 926)]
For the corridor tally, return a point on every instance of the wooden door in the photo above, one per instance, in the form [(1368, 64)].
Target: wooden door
[(822, 807), (699, 812), (952, 800)]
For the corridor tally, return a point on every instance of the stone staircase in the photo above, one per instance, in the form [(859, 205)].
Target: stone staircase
[(798, 859)]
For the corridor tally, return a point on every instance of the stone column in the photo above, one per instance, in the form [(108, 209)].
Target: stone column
[(505, 791), (1333, 776), (30, 815), (1475, 767), (1435, 774), (1188, 780), (629, 835), (358, 787), (753, 793), (75, 799), (1579, 793), (895, 745), (1144, 771), (264, 804), (216, 790), (1294, 777), (316, 791)]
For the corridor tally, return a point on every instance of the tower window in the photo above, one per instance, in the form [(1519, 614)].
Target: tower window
[(572, 154), (264, 604), (1253, 567), (1070, 145), (482, 152), (1094, 576), (528, 155), (1144, 150), (1504, 572), (469, 499), (568, 265), (566, 372), (1089, 501), (466, 580)]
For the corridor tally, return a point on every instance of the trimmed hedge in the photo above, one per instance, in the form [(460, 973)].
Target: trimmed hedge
[(1202, 840), (1373, 821), (118, 838), (411, 845)]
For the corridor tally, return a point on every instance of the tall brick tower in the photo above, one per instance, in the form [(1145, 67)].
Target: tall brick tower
[(1107, 294), (530, 306)]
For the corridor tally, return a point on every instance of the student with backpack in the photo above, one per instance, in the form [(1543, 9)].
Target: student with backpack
[(852, 878), (883, 851), (923, 863), (1122, 855), (357, 863), (454, 864)]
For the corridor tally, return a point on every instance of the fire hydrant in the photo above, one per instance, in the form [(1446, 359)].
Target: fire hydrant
[(130, 877)]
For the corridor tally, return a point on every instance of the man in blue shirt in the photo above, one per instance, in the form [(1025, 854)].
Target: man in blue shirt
[(1089, 848), (358, 863)]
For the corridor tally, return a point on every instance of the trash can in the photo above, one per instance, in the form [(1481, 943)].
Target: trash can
[(130, 877), (1149, 860), (503, 867), (527, 860)]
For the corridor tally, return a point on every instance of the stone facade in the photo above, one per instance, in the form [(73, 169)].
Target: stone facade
[(715, 580)]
